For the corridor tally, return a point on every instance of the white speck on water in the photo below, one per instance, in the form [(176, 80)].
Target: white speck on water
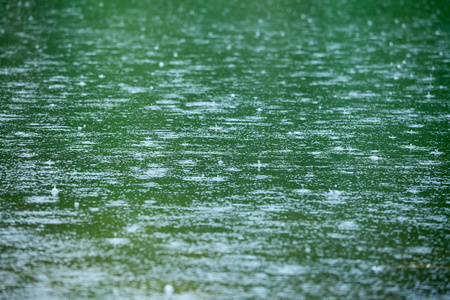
[(374, 158), (259, 109), (101, 76), (132, 228), (428, 96), (307, 249), (168, 289), (334, 193), (55, 191), (100, 4), (377, 269), (436, 152), (76, 204), (420, 250), (220, 162), (348, 225), (118, 241), (82, 83), (257, 34), (175, 54), (369, 23), (233, 95), (302, 191), (161, 64)]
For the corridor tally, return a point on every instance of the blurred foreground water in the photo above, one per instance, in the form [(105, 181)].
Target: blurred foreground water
[(224, 149)]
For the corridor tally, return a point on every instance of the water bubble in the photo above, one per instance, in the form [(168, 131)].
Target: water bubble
[(161, 64)]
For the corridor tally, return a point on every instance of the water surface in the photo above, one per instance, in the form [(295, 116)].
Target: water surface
[(230, 149)]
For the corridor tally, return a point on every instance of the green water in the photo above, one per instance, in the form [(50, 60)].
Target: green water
[(229, 149)]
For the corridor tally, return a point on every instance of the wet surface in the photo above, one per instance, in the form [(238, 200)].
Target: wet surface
[(275, 149)]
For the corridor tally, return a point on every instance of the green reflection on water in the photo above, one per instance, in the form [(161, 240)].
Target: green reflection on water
[(274, 149)]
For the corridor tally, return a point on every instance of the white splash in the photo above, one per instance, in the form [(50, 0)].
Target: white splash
[(168, 289), (55, 191)]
